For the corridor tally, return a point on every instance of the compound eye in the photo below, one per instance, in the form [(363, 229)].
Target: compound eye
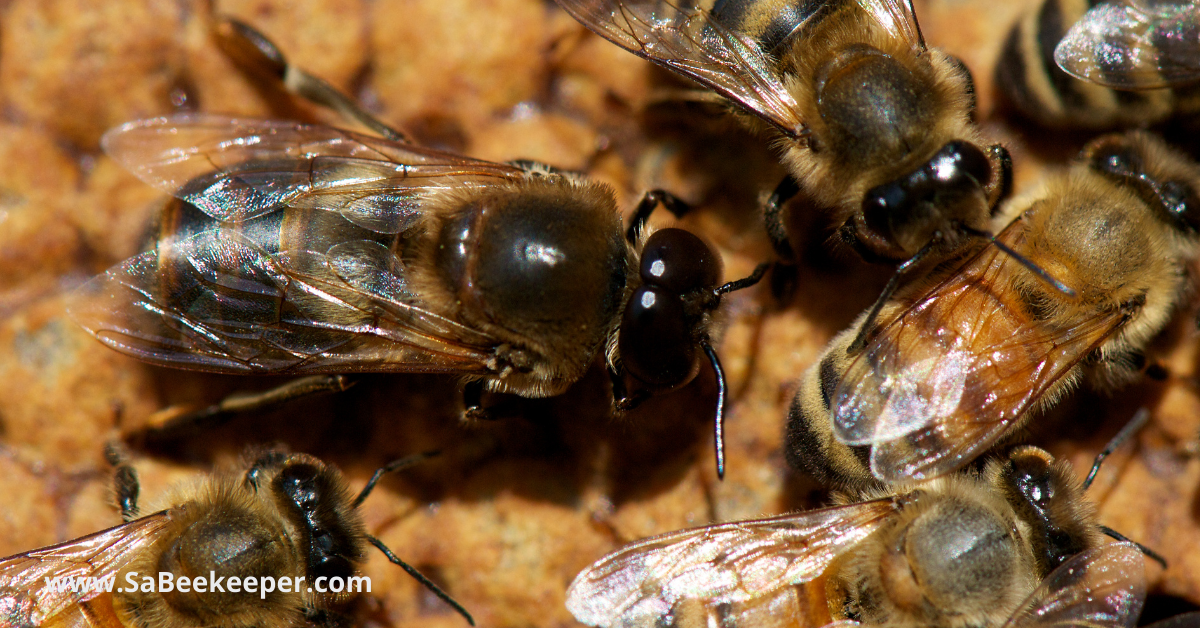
[(655, 343), (1181, 202), (679, 262), (967, 158)]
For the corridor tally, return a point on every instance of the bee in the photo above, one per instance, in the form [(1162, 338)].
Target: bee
[(957, 362), (873, 126), (1010, 544), (289, 518), (1120, 63), (298, 249)]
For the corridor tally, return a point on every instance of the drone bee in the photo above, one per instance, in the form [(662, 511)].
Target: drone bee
[(1008, 545), (1119, 63), (873, 126), (955, 363), (289, 518), (298, 249)]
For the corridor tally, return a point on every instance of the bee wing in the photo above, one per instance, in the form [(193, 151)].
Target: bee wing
[(644, 583), (1130, 44), (251, 308), (241, 169), (940, 383), (688, 40), (27, 597), (1103, 587), (898, 17)]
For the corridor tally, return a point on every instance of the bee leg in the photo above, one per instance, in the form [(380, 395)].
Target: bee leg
[(773, 216), (473, 408), (125, 482), (623, 400), (255, 52), (647, 205), (168, 425), (1004, 183)]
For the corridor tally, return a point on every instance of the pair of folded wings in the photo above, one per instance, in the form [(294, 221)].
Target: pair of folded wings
[(732, 571), (336, 307)]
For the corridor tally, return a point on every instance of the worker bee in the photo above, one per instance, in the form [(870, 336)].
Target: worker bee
[(1011, 544), (278, 545), (956, 362), (1072, 63), (873, 126), (297, 249)]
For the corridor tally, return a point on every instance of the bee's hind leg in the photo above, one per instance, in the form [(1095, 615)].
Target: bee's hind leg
[(171, 424), (125, 481), (258, 54)]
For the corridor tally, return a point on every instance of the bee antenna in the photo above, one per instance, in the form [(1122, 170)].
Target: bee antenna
[(719, 421), (1024, 261), (744, 282), (1139, 419), (1149, 553), (395, 465), (893, 284), (420, 577)]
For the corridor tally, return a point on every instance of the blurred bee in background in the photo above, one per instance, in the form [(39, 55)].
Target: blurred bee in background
[(1072, 63), (875, 128), (1013, 545), (287, 516), (297, 249), (957, 362)]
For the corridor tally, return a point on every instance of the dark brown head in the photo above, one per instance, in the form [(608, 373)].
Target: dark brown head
[(1046, 495)]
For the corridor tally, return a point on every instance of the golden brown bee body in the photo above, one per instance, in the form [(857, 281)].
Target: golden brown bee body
[(1079, 64), (955, 363), (287, 516), (965, 550), (874, 127)]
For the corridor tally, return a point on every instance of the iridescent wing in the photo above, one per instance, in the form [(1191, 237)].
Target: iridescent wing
[(708, 572), (690, 41), (1134, 44), (955, 369), (35, 586), (248, 292), (1101, 588), (898, 18)]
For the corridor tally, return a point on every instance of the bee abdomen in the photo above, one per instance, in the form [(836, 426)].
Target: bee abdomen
[(1030, 81)]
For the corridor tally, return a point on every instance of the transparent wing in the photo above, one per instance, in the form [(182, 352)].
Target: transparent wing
[(240, 169), (239, 285), (219, 301), (697, 570), (898, 17), (1100, 588), (948, 376), (26, 598), (689, 41), (1134, 44)]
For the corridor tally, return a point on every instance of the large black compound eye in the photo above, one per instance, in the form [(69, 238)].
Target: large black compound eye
[(655, 342), (963, 157), (958, 168), (1180, 201), (1123, 163), (1032, 479), (309, 491), (679, 262)]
